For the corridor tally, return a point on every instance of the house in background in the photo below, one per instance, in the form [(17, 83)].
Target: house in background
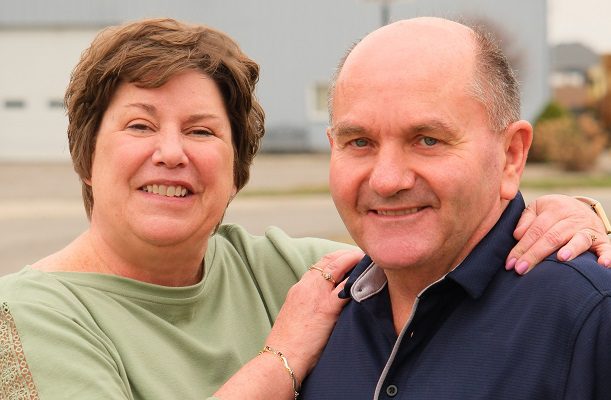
[(297, 43), (577, 77), (605, 102)]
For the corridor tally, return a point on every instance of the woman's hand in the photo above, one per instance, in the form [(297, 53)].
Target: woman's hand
[(557, 222), (311, 308), (300, 332)]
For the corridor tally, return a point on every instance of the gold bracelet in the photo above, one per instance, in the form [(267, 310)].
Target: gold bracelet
[(598, 209), (267, 349)]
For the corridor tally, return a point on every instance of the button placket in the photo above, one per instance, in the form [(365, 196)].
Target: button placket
[(392, 390)]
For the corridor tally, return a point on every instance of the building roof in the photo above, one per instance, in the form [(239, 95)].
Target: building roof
[(573, 57)]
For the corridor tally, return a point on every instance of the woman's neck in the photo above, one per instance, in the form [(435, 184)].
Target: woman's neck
[(166, 266)]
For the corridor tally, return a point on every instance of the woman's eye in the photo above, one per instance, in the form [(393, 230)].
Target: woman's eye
[(200, 132), (138, 127), (429, 141)]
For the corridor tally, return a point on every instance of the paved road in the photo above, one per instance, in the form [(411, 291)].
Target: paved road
[(41, 210)]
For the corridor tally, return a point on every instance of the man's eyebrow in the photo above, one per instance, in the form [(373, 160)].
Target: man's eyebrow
[(432, 126), (419, 127), (347, 130)]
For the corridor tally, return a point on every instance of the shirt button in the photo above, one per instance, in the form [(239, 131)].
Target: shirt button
[(392, 390)]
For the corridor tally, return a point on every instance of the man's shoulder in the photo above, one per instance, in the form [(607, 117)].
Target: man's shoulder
[(583, 272), (581, 282)]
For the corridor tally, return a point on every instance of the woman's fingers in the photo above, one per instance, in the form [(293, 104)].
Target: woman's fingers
[(557, 223), (334, 266)]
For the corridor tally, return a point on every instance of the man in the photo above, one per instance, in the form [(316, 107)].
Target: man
[(427, 154)]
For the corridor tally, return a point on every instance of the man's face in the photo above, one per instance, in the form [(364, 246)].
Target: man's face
[(415, 170)]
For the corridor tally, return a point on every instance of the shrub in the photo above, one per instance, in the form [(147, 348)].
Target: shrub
[(543, 139), (552, 110), (573, 142)]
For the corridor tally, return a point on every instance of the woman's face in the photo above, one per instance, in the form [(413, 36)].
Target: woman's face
[(163, 164)]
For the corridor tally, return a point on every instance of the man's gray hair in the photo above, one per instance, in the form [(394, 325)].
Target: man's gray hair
[(494, 83)]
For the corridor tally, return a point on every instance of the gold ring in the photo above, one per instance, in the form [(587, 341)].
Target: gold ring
[(326, 275)]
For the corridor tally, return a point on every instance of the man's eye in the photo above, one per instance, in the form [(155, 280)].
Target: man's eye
[(360, 142), (429, 141)]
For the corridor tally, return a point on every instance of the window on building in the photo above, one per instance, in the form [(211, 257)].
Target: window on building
[(321, 93), (14, 103), (318, 100), (56, 104), (567, 78)]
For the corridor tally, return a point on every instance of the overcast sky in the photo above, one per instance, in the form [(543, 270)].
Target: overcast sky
[(587, 21)]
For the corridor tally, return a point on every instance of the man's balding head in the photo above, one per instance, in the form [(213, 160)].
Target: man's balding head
[(441, 46)]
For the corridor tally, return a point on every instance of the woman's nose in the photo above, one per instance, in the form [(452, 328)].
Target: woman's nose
[(169, 151)]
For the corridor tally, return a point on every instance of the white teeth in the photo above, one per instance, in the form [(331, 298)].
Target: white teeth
[(398, 212), (165, 190)]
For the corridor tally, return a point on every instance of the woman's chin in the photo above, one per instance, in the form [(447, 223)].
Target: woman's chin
[(170, 234)]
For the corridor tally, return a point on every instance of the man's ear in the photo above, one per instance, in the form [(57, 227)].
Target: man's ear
[(330, 136), (518, 138)]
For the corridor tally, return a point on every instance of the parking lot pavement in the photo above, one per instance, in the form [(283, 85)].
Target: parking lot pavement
[(41, 209)]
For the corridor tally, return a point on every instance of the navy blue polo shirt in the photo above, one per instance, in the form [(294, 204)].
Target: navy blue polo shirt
[(481, 332)]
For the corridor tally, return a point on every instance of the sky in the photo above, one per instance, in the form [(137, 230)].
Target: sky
[(586, 21)]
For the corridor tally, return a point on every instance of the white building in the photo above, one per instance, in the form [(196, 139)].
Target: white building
[(297, 43)]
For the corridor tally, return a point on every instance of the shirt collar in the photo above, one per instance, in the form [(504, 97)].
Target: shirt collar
[(473, 274)]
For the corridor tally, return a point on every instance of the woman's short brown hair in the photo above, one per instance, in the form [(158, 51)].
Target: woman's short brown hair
[(149, 53)]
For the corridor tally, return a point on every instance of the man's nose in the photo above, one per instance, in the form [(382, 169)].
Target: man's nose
[(391, 172), (170, 151)]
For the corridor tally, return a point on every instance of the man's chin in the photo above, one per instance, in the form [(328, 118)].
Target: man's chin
[(395, 254)]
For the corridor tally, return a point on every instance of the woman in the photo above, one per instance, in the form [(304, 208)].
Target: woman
[(157, 300)]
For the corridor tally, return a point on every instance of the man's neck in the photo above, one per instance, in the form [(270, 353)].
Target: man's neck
[(406, 283), (404, 287)]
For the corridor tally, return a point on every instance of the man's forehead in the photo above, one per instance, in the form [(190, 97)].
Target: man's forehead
[(427, 45)]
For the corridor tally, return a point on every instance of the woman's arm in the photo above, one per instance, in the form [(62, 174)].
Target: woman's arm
[(300, 332)]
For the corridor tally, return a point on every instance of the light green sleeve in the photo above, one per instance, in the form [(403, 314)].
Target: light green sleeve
[(66, 358), (276, 260)]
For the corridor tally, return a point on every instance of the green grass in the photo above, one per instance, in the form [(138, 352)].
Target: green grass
[(568, 181), (556, 182), (295, 191)]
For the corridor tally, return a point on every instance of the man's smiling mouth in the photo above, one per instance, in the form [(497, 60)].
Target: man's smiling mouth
[(405, 211)]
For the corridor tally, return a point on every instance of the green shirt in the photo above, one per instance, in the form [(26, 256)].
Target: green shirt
[(69, 335)]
